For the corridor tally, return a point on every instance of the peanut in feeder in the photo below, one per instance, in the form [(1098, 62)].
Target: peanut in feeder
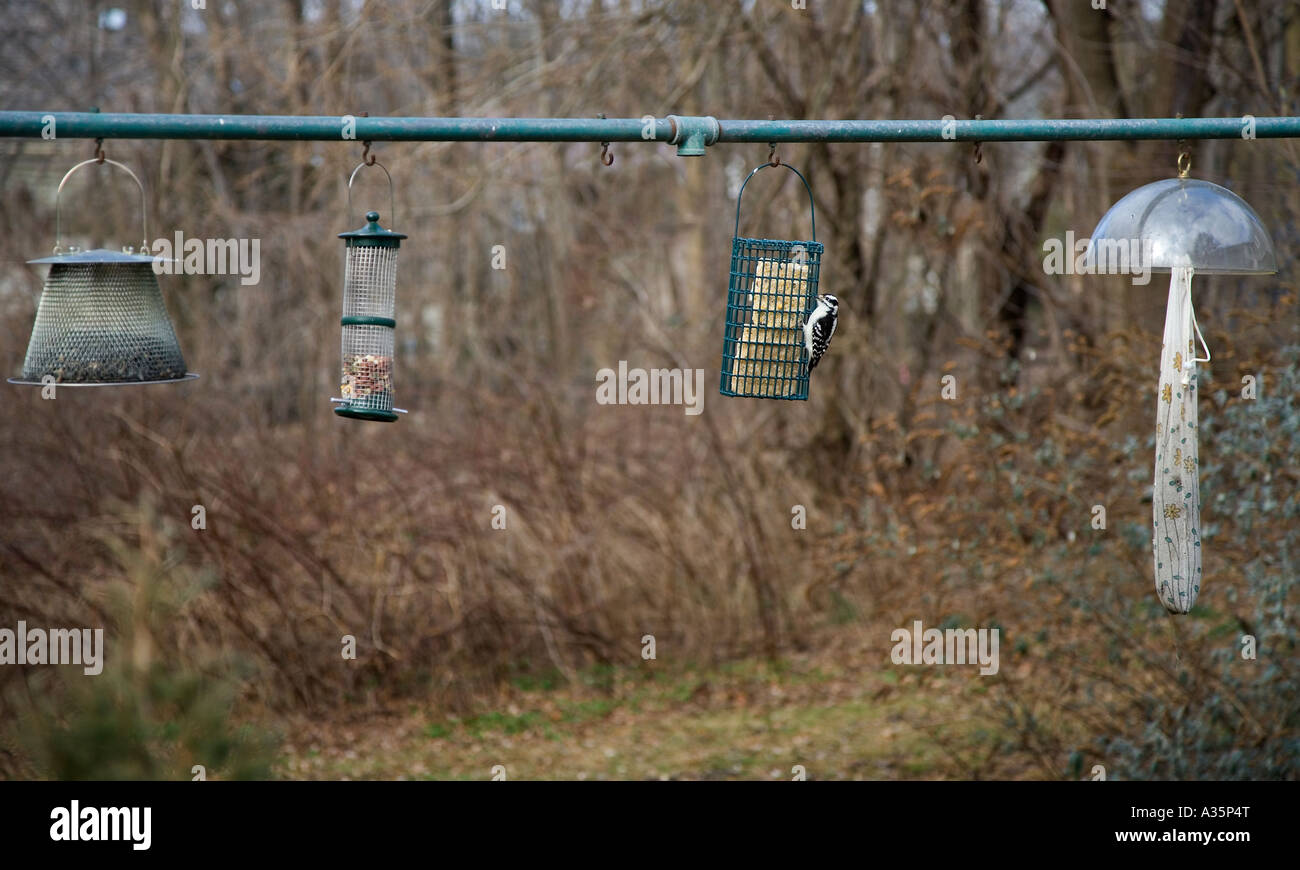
[(771, 291), (1181, 226)]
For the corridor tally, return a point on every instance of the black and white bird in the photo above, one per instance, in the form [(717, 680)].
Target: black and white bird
[(820, 327)]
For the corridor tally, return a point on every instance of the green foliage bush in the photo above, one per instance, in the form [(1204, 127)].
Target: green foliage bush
[(161, 705), (148, 725), (1240, 718)]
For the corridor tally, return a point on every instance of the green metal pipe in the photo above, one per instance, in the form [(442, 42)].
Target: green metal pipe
[(697, 129), (328, 128), (1045, 130)]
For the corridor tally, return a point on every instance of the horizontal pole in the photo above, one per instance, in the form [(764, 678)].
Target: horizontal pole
[(325, 128), (1046, 130)]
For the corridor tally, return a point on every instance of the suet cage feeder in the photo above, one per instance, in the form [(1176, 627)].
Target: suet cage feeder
[(771, 292), (369, 285), (101, 320), (1181, 227)]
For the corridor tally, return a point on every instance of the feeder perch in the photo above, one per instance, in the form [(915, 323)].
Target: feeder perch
[(1180, 226), (369, 282), (771, 292), (101, 320)]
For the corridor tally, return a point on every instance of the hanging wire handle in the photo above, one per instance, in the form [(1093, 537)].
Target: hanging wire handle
[(392, 203), (772, 158), (98, 159), (812, 208)]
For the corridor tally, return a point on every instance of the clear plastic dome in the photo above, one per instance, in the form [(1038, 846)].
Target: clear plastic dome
[(1182, 222)]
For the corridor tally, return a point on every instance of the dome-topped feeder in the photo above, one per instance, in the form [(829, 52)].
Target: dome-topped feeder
[(101, 320), (369, 291), (1181, 226), (1183, 222), (770, 294)]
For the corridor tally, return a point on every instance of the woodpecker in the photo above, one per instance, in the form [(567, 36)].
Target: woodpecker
[(820, 327)]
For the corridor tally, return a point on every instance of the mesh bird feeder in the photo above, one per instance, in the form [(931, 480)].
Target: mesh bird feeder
[(101, 319), (771, 292), (1180, 226), (369, 284)]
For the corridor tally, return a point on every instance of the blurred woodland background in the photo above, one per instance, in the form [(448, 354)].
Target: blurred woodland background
[(476, 645)]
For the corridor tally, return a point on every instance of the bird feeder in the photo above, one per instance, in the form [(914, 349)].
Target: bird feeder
[(369, 282), (1180, 226), (771, 292), (101, 320)]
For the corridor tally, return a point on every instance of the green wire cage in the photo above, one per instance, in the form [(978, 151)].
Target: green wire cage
[(771, 292), (369, 290)]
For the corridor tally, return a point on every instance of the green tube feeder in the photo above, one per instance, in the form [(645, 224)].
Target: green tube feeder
[(369, 284)]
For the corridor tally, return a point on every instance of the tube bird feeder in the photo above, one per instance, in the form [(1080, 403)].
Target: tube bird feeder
[(369, 291)]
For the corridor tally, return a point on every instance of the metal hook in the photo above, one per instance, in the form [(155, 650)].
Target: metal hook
[(100, 156), (772, 159), (605, 157), (366, 157), (979, 150), (1184, 161)]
